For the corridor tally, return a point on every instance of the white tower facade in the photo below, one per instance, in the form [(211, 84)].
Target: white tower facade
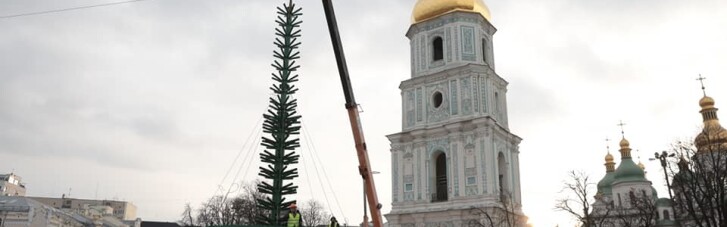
[(455, 158)]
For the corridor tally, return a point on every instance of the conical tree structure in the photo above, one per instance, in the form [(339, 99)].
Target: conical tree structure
[(281, 120)]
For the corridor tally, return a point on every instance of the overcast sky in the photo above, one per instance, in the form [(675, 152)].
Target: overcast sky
[(152, 101)]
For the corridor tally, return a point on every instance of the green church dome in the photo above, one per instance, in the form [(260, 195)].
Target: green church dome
[(663, 202), (628, 171), (683, 177), (604, 186)]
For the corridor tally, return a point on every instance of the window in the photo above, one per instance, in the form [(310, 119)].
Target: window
[(484, 50), (619, 199), (437, 99), (408, 187), (666, 215), (440, 174), (632, 198), (471, 180), (438, 49), (497, 102), (504, 175)]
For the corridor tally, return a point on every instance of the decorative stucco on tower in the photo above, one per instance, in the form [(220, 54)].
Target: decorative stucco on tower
[(455, 151)]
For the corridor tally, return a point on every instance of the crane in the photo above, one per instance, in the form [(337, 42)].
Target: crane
[(364, 167)]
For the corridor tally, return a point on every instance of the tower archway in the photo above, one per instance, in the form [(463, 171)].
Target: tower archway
[(503, 174), (440, 180)]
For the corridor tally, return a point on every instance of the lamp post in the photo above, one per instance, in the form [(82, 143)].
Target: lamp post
[(366, 217), (662, 158)]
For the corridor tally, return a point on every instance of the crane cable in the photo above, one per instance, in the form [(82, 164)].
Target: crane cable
[(255, 132), (68, 9), (249, 158), (307, 176), (312, 147)]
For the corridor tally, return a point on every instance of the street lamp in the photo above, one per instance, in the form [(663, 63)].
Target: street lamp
[(366, 218), (662, 158)]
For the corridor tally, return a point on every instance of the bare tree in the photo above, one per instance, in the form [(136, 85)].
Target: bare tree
[(507, 213), (483, 218), (638, 211), (241, 209), (245, 206), (216, 211), (579, 196), (700, 183), (187, 219), (313, 213), (511, 212)]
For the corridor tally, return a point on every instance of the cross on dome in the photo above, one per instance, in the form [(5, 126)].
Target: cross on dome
[(701, 81), (622, 124), (608, 148)]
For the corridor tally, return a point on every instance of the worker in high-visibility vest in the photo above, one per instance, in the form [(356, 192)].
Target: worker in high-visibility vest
[(294, 217), (334, 223)]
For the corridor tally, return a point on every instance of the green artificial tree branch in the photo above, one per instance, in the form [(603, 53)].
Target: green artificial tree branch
[(281, 120)]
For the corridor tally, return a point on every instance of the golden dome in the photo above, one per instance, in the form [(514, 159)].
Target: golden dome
[(624, 143), (706, 102), (427, 9), (609, 158), (713, 136)]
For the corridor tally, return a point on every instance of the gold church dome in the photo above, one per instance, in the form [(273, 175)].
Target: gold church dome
[(713, 136), (609, 158), (427, 9), (706, 102), (624, 143)]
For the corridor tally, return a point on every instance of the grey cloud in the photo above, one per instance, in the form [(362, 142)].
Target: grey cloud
[(173, 87)]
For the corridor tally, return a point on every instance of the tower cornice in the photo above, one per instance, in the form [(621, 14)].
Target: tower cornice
[(451, 17), (462, 70)]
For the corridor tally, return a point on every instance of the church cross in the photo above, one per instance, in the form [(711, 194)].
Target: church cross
[(701, 81), (608, 148), (622, 124)]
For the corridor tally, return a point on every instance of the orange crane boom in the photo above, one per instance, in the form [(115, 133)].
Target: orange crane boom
[(364, 167)]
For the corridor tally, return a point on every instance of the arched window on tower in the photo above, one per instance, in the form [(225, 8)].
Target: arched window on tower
[(440, 177), (438, 49), (497, 103), (484, 50), (666, 215), (503, 175)]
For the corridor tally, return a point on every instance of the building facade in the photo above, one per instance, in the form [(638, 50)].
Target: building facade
[(455, 159), (120, 209), (625, 197), (699, 185), (11, 185), (16, 211)]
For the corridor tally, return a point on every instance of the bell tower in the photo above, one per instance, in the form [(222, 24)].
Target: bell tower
[(455, 158)]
